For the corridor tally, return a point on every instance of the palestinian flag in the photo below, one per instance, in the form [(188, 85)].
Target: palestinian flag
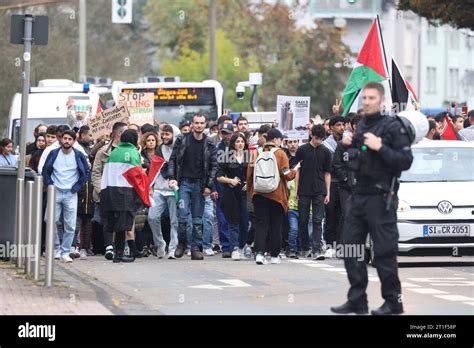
[(370, 67), (155, 169), (124, 181), (402, 94)]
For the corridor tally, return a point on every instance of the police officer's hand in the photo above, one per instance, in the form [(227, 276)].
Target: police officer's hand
[(347, 139), (373, 142)]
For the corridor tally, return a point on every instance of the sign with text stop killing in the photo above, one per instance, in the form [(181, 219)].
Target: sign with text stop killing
[(140, 106)]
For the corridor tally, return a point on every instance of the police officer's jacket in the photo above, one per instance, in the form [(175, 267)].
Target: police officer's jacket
[(374, 170)]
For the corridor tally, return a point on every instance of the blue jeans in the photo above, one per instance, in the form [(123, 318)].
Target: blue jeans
[(238, 232), (66, 203), (191, 199), (208, 223), (223, 226), (293, 243), (154, 220)]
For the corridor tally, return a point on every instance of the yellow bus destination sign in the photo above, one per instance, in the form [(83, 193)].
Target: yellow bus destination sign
[(178, 96)]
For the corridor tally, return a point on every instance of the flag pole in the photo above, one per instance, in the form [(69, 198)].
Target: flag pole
[(384, 54)]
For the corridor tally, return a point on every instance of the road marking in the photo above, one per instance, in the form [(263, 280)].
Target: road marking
[(409, 285), (434, 280), (316, 265), (455, 297), (469, 303), (334, 269), (302, 261), (232, 283), (428, 291), (373, 279)]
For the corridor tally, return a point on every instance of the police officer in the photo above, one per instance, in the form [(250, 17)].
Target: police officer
[(378, 152)]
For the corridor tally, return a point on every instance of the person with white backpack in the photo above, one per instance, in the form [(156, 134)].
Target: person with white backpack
[(267, 176)]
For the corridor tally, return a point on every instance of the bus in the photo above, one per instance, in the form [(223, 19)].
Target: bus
[(47, 105), (176, 102)]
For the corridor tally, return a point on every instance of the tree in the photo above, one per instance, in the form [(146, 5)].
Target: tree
[(457, 13)]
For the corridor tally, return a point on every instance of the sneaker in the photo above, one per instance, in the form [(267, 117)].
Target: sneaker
[(216, 249), (282, 254), (236, 255), (90, 252), (306, 254), (209, 252), (66, 258), (126, 251), (188, 252), (276, 260), (109, 252), (318, 256), (57, 254), (74, 253), (260, 259), (226, 254), (171, 256), (247, 251), (83, 254), (292, 255), (161, 252)]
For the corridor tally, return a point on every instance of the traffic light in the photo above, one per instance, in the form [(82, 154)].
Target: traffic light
[(122, 11)]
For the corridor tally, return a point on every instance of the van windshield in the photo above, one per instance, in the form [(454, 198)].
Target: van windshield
[(30, 126), (440, 164)]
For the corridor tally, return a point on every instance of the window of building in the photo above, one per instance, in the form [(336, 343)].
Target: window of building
[(454, 82), (431, 34), (431, 80), (454, 40)]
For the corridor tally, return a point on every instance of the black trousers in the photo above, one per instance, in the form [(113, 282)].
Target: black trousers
[(305, 203), (269, 220), (332, 229), (367, 214), (344, 196)]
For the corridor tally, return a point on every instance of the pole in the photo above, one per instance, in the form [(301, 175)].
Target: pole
[(37, 222), (29, 224), (212, 39), (20, 185), (384, 54), (82, 40), (28, 30), (48, 281)]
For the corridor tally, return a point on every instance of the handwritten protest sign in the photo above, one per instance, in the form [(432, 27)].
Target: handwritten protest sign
[(102, 122), (140, 105)]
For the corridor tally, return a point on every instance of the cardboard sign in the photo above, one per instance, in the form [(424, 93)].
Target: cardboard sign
[(140, 105), (103, 122), (293, 116)]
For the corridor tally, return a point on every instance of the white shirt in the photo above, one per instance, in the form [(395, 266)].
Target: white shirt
[(65, 173), (52, 147)]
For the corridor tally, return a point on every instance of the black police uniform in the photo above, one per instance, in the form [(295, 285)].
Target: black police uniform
[(370, 208)]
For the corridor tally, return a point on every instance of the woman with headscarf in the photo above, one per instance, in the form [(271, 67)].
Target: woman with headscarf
[(124, 189), (32, 160)]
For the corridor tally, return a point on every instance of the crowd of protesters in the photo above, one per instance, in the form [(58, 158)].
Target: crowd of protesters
[(220, 188)]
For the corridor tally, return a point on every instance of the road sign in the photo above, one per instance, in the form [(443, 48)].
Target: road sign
[(39, 30), (122, 11)]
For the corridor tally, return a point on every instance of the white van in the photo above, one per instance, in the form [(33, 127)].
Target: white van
[(47, 105)]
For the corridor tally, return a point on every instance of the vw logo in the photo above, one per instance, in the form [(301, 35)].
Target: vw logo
[(445, 207)]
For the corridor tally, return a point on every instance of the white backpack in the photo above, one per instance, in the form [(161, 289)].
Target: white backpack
[(266, 176)]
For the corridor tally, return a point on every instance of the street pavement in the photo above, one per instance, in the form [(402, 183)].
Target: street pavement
[(295, 287)]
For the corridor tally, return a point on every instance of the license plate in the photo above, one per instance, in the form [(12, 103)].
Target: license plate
[(446, 230)]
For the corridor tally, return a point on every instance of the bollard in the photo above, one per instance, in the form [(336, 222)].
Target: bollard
[(37, 223), (20, 185), (29, 207), (48, 280)]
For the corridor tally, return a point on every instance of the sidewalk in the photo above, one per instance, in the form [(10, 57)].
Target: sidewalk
[(20, 295)]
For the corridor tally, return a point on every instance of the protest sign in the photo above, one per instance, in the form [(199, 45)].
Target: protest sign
[(293, 116), (140, 106), (103, 122)]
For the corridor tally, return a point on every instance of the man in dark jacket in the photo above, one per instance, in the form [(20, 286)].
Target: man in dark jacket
[(193, 164), (66, 168)]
